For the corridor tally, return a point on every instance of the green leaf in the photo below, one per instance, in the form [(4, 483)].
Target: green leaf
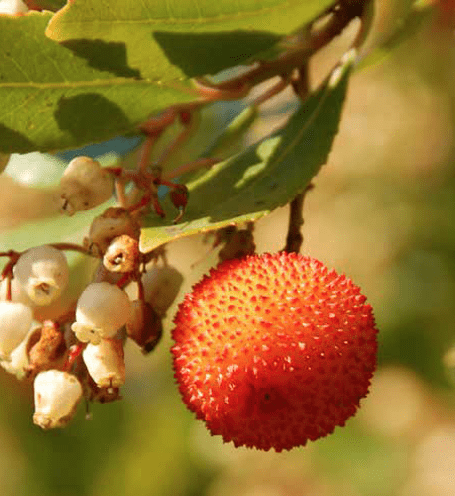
[(169, 39), (233, 132), (266, 175), (403, 32), (52, 99)]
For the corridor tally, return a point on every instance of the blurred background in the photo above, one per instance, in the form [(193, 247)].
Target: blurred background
[(382, 212)]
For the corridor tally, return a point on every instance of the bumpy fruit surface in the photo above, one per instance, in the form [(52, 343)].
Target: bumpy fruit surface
[(273, 350)]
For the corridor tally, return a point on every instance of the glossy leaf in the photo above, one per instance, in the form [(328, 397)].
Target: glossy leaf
[(403, 32), (169, 39), (53, 99), (265, 176)]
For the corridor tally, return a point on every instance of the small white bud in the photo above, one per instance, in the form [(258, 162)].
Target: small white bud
[(161, 287), (57, 395), (102, 309), (105, 363), (15, 322), (84, 185), (43, 273)]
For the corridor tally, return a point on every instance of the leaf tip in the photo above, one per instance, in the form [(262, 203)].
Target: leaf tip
[(346, 61), (53, 29)]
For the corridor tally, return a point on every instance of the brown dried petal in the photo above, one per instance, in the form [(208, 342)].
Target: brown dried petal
[(46, 348)]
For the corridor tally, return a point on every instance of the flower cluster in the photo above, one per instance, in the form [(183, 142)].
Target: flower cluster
[(79, 354)]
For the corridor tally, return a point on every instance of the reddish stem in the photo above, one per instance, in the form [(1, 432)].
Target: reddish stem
[(73, 354), (140, 289), (9, 289), (146, 150), (277, 88), (192, 166)]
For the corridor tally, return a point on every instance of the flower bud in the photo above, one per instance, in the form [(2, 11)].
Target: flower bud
[(122, 254), (144, 326), (102, 309), (105, 363), (161, 287), (15, 322), (84, 185), (43, 273), (112, 223), (57, 395)]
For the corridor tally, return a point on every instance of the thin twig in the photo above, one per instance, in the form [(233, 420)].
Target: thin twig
[(191, 166), (146, 150), (294, 238), (297, 56), (277, 88), (120, 192)]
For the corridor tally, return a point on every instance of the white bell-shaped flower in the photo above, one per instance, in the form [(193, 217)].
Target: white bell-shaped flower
[(18, 361), (84, 185), (15, 321), (57, 395), (43, 273), (105, 362), (102, 309)]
